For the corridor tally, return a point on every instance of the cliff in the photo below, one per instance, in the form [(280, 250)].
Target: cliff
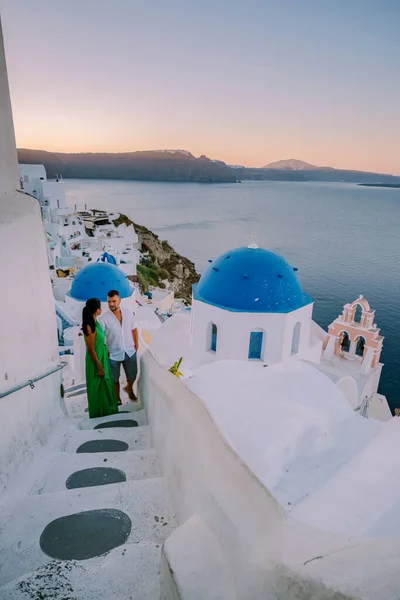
[(158, 165), (161, 265)]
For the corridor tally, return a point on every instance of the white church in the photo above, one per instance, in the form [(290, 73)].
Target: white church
[(249, 306)]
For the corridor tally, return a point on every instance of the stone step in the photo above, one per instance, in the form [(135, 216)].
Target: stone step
[(52, 472), (137, 438), (130, 571), (75, 400), (139, 417), (145, 502)]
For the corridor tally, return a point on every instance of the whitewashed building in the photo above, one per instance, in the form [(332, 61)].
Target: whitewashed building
[(249, 305)]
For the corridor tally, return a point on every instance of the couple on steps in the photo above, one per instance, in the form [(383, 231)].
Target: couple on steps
[(111, 340)]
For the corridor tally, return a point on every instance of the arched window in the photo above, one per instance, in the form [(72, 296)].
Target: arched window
[(296, 338), (358, 314), (213, 337), (360, 346), (256, 344), (345, 343)]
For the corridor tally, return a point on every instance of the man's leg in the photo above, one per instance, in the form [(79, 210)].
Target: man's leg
[(115, 371), (130, 368), (117, 392)]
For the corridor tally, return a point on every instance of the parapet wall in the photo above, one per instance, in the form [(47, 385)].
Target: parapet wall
[(26, 419), (262, 552)]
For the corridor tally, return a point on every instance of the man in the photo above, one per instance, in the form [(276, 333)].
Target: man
[(122, 340)]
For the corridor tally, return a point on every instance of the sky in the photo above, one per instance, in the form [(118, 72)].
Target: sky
[(247, 82)]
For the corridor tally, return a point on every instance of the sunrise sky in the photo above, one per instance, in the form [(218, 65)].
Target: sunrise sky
[(248, 82)]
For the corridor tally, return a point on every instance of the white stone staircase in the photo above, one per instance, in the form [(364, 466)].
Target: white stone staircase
[(131, 570)]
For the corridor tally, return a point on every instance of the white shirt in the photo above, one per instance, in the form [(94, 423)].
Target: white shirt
[(119, 337)]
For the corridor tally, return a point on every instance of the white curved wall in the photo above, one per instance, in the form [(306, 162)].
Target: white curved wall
[(234, 330), (268, 554)]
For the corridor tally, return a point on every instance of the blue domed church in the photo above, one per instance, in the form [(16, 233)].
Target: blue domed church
[(249, 305)]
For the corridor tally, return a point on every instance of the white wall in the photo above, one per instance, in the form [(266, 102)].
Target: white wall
[(9, 171), (27, 319), (31, 179), (234, 332), (28, 328), (371, 387), (27, 418), (268, 554)]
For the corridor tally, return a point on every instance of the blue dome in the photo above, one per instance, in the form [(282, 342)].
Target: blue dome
[(97, 279), (251, 280)]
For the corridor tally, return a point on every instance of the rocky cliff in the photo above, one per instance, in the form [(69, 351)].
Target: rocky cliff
[(161, 265)]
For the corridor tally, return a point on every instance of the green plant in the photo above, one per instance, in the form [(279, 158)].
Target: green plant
[(163, 274), (143, 283), (175, 368)]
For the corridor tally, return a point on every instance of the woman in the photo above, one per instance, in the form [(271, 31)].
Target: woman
[(101, 396)]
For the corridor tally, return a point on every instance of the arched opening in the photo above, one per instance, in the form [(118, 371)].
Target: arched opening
[(360, 346), (358, 314), (296, 338), (345, 342), (213, 337), (256, 343)]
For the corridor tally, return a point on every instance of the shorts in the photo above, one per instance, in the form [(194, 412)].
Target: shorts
[(130, 367)]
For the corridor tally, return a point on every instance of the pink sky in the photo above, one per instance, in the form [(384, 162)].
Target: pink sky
[(246, 83)]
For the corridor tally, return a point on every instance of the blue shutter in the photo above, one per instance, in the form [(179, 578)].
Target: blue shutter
[(214, 332), (255, 345)]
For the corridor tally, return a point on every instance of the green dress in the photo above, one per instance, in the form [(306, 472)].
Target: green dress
[(102, 399)]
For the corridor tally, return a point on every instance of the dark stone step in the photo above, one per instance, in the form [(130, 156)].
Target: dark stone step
[(102, 446), (94, 476), (121, 423), (85, 535)]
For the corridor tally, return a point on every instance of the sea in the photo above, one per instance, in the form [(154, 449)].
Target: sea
[(343, 238)]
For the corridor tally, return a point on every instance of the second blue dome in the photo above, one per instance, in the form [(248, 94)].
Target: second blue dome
[(97, 279), (251, 279)]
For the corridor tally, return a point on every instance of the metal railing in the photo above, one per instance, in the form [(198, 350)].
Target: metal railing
[(31, 382)]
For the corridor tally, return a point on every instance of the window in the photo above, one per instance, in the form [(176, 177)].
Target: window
[(256, 344), (26, 178), (296, 338), (360, 346), (214, 335), (358, 314), (345, 342)]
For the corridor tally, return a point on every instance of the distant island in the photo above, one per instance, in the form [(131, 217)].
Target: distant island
[(183, 166), (293, 164), (385, 185)]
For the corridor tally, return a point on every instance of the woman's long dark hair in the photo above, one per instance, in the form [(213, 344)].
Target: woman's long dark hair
[(88, 320)]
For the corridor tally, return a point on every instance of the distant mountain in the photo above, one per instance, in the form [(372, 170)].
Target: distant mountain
[(181, 165), (292, 164), (153, 165)]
